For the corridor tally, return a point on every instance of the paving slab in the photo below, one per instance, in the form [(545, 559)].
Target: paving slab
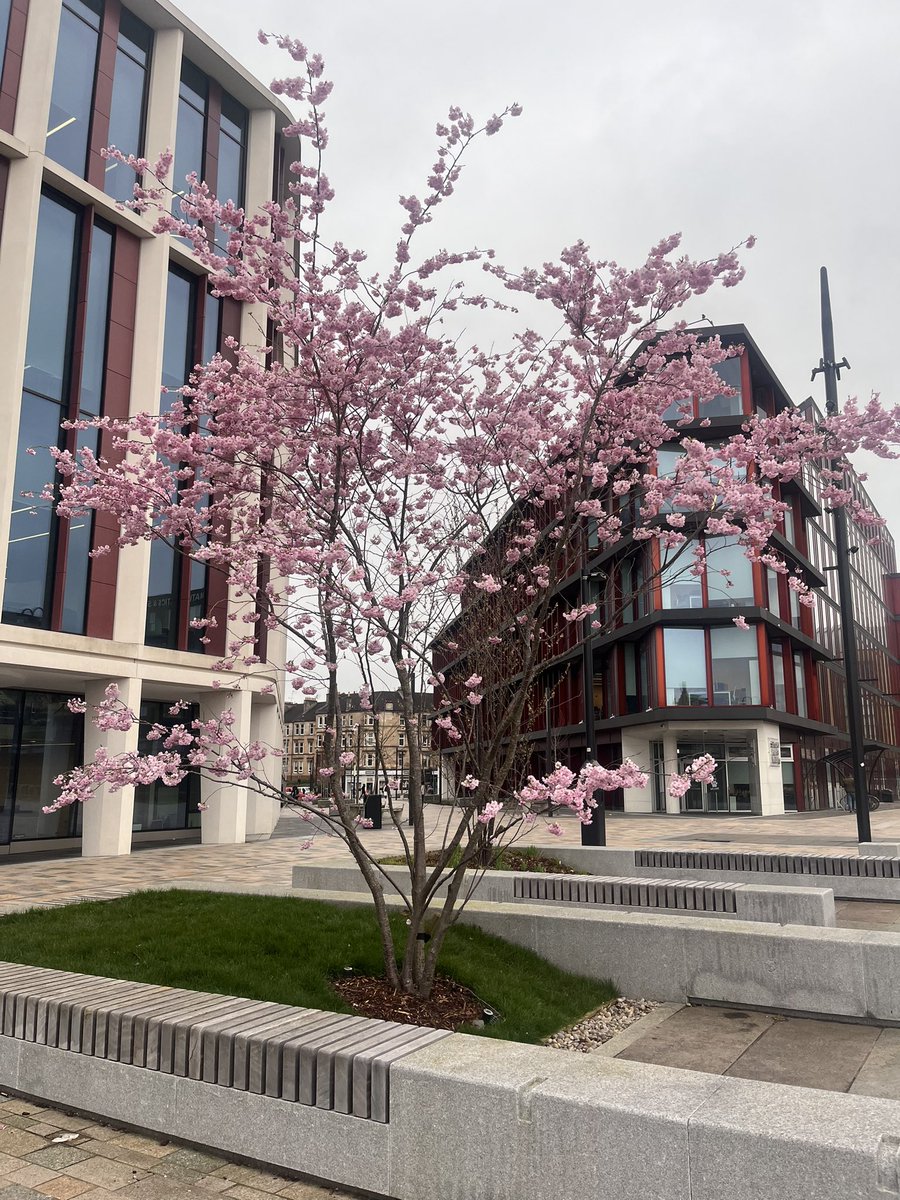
[(700, 1039), (807, 1053), (880, 1073)]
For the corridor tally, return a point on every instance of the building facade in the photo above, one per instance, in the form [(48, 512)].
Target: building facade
[(674, 678), (376, 736), (96, 314)]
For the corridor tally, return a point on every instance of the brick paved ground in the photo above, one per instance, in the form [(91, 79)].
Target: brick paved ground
[(268, 864), (50, 1155)]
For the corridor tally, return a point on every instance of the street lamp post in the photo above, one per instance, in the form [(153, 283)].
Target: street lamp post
[(832, 372), (595, 833)]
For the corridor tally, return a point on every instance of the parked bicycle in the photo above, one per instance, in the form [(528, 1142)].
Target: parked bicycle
[(848, 802)]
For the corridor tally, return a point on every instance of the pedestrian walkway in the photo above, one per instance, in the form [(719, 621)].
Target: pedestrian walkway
[(836, 1056), (268, 864), (46, 1154)]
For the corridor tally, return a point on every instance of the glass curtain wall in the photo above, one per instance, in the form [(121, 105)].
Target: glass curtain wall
[(47, 400), (230, 165), (685, 665), (164, 625), (39, 739), (90, 404), (735, 666), (5, 7), (156, 806), (33, 526), (129, 102), (69, 125), (190, 134)]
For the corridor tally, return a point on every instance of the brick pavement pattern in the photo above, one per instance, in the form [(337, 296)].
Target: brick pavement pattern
[(267, 865), (46, 1154)]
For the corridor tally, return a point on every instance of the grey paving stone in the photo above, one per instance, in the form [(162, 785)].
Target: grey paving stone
[(17, 1191), (58, 1158), (815, 1054), (699, 1039), (879, 1074)]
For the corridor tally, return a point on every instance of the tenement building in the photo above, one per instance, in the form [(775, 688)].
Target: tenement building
[(673, 676), (96, 313), (376, 736)]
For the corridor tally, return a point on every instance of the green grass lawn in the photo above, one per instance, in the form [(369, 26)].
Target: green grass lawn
[(285, 950)]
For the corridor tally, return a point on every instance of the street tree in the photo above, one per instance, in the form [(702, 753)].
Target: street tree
[(416, 500)]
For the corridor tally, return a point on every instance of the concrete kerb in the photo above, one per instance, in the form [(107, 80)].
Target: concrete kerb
[(781, 904)]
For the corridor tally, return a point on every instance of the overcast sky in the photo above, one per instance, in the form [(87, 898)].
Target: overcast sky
[(774, 117)]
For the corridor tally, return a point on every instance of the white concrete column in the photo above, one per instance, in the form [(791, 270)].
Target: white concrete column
[(771, 784), (36, 80), (108, 816), (636, 746), (263, 811), (670, 752), (224, 821), (162, 98)]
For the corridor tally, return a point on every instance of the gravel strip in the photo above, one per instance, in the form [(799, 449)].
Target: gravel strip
[(592, 1032)]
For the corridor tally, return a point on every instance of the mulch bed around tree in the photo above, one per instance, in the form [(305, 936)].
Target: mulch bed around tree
[(449, 1005), (508, 859)]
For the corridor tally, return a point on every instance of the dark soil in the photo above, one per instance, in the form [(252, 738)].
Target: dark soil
[(448, 1007)]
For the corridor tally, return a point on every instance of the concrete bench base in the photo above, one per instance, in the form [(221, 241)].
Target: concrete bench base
[(475, 1119), (850, 877), (783, 905)]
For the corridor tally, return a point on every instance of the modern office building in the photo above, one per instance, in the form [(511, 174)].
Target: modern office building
[(96, 313), (674, 678), (375, 735)]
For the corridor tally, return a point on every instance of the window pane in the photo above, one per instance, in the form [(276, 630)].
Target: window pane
[(230, 174), (5, 6), (126, 124), (157, 807), (27, 593), (162, 597), (778, 672), (729, 573), (685, 660), (190, 131), (800, 682), (10, 705), (681, 589), (96, 323), (135, 38), (52, 742), (77, 560), (772, 588), (178, 336), (73, 86), (729, 372), (735, 666), (46, 354)]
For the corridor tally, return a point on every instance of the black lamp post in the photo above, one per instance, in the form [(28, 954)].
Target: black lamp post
[(832, 372), (595, 833)]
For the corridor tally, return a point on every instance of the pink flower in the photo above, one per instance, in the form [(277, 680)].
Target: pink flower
[(741, 622)]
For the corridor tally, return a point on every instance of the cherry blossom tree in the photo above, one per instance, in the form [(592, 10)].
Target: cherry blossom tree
[(415, 501)]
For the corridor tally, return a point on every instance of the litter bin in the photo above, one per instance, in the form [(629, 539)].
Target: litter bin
[(885, 797), (372, 809)]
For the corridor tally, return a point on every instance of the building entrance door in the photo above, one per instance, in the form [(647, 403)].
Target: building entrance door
[(736, 786)]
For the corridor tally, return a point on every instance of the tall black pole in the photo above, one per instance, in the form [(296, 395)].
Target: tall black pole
[(831, 370), (595, 833)]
